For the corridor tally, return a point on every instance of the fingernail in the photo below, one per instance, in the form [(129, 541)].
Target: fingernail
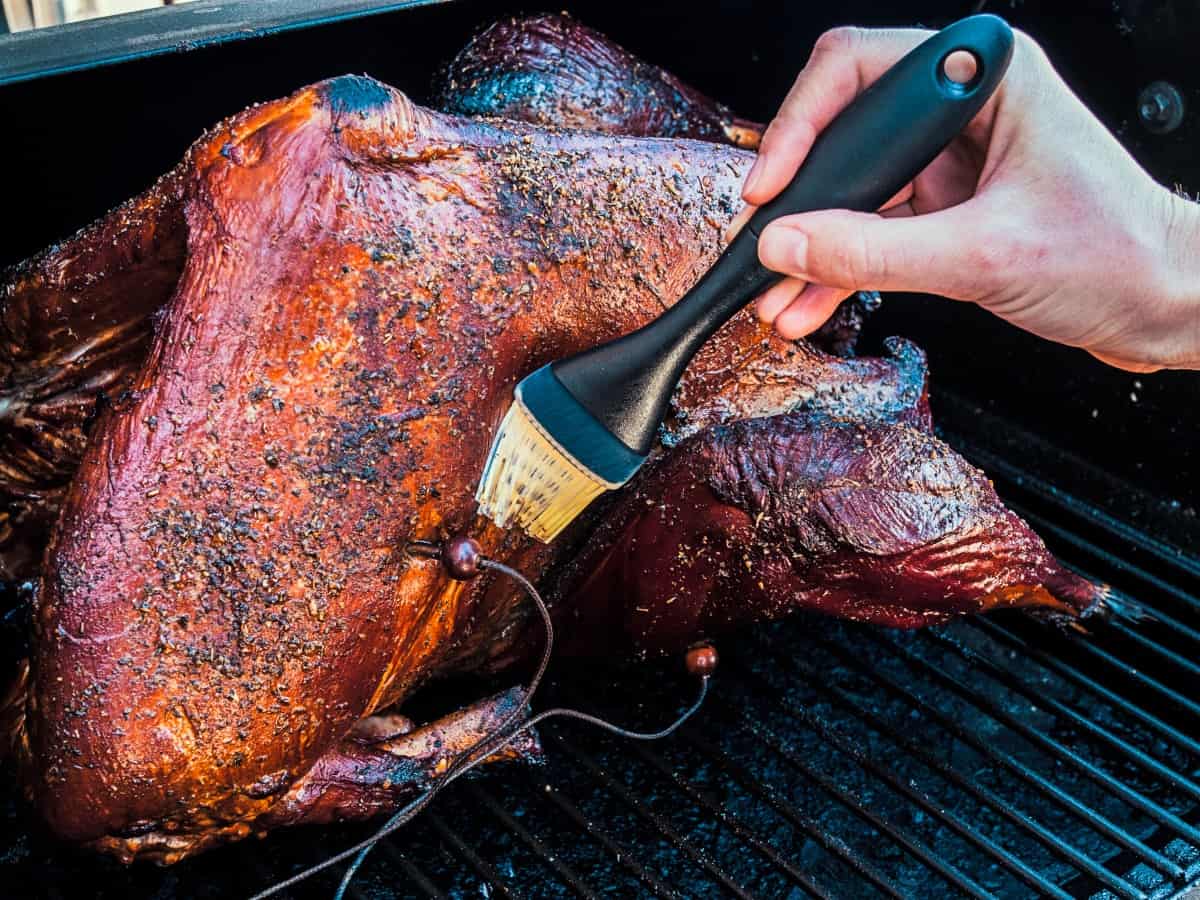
[(762, 311), (752, 178)]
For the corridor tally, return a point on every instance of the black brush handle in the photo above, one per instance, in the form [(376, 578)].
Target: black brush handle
[(876, 146)]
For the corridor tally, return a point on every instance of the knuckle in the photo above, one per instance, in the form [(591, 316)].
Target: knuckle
[(843, 39), (774, 133), (1027, 44), (771, 252), (787, 128), (851, 262), (985, 260), (1005, 251), (1030, 51), (869, 264)]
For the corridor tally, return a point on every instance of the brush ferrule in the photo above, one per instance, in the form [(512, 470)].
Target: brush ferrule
[(576, 430), (531, 479)]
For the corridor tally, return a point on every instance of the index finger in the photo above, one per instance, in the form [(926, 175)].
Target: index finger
[(843, 63)]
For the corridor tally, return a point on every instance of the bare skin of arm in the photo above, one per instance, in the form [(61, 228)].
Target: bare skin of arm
[(1035, 212)]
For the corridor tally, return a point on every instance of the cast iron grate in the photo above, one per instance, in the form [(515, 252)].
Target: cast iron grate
[(993, 757)]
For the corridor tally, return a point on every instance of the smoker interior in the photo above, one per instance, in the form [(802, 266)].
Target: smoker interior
[(992, 757)]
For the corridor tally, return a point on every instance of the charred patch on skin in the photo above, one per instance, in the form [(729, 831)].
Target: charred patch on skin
[(355, 94)]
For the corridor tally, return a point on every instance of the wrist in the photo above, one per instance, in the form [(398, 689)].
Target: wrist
[(1179, 280)]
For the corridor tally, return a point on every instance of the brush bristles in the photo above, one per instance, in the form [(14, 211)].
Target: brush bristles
[(533, 482)]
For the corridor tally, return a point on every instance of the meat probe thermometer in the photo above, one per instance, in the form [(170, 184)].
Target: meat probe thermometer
[(583, 425)]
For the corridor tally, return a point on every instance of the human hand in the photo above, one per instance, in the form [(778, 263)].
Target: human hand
[(1035, 212)]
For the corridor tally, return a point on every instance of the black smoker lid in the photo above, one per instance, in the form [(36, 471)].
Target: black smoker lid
[(91, 43)]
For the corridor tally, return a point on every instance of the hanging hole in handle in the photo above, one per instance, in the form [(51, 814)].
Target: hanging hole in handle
[(960, 71)]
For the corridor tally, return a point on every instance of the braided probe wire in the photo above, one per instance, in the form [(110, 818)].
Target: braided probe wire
[(503, 735)]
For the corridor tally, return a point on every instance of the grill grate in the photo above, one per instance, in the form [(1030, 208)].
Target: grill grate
[(993, 757)]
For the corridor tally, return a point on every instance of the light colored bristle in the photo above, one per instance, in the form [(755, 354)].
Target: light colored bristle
[(531, 481)]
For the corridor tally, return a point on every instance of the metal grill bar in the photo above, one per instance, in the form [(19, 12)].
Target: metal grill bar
[(482, 868), (1008, 679), (1002, 469), (994, 630), (253, 862), (1055, 748), (693, 853), (736, 825), (1003, 807), (1083, 813), (1006, 859), (410, 869), (620, 853), (1047, 527), (826, 740), (981, 793), (574, 881), (1177, 627), (759, 789), (1154, 647), (853, 802), (1142, 679), (832, 844)]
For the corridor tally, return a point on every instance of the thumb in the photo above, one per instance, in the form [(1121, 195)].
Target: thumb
[(868, 252)]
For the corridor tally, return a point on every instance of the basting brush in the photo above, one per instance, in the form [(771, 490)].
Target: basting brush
[(583, 425)]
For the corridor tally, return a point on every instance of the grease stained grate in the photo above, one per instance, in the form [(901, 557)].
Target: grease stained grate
[(993, 757)]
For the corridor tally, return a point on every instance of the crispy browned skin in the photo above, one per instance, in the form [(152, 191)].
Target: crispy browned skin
[(227, 591), (76, 319), (552, 70), (74, 324), (879, 522), (382, 763)]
